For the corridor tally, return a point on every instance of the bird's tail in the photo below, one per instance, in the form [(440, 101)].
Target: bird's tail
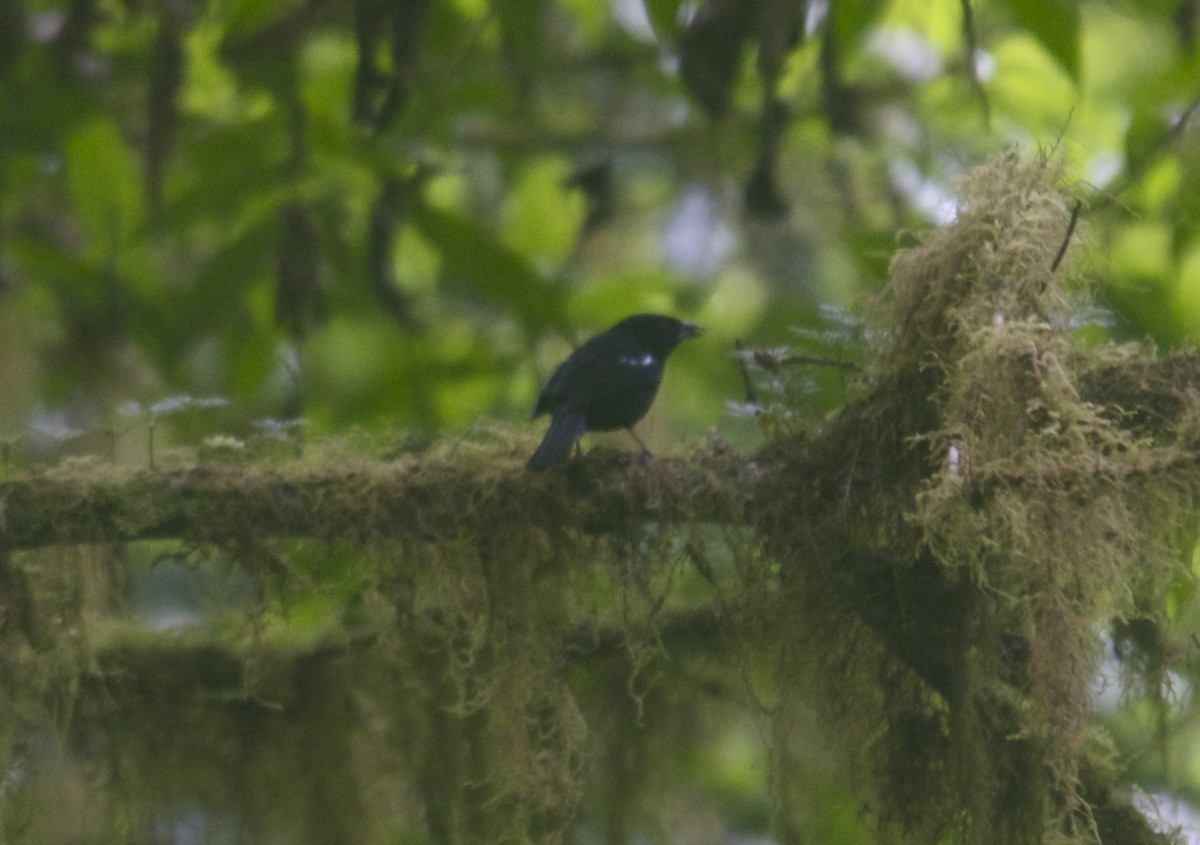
[(556, 446)]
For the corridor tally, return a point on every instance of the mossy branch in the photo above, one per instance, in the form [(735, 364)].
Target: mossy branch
[(409, 498), (929, 567), (428, 498)]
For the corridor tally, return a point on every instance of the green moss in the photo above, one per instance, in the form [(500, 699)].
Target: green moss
[(905, 596)]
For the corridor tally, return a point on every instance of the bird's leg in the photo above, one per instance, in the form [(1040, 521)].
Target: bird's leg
[(645, 452)]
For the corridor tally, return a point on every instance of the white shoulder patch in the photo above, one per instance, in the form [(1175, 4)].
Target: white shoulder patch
[(646, 360)]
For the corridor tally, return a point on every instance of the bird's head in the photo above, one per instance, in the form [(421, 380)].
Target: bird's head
[(657, 332)]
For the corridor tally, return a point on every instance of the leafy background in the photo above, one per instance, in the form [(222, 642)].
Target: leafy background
[(267, 219)]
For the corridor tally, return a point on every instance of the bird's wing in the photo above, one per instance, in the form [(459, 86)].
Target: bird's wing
[(603, 370)]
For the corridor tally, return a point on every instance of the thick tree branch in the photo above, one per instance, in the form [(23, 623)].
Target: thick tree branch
[(429, 497), (409, 498)]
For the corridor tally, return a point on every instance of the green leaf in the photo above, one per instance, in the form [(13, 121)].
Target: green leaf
[(105, 184), (249, 357), (1156, 104), (664, 17), (710, 51), (1147, 125), (252, 15), (603, 300), (850, 20), (474, 259), (227, 174), (542, 217), (520, 21), (1055, 25)]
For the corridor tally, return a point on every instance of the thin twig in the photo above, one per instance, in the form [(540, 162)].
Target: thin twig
[(1135, 169), (968, 25), (771, 361), (1062, 250), (751, 394)]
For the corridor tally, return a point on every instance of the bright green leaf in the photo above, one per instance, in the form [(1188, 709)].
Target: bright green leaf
[(850, 19), (664, 17), (590, 17), (1187, 292), (1055, 25), (1143, 251), (474, 259), (603, 301), (249, 357), (541, 216), (1030, 83), (105, 184)]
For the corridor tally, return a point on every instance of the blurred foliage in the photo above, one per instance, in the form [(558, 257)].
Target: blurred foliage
[(404, 213), (319, 214)]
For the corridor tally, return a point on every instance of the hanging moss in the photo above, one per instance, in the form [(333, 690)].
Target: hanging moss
[(981, 518), (904, 598)]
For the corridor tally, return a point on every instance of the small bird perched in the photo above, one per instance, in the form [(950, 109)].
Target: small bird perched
[(606, 384)]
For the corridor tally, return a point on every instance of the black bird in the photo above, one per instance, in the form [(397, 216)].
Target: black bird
[(606, 384)]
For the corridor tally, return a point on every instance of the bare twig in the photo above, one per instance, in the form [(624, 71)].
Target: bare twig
[(747, 383), (1062, 250), (1139, 166), (968, 25), (771, 361)]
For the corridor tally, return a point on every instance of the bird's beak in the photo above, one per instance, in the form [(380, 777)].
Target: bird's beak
[(689, 330)]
